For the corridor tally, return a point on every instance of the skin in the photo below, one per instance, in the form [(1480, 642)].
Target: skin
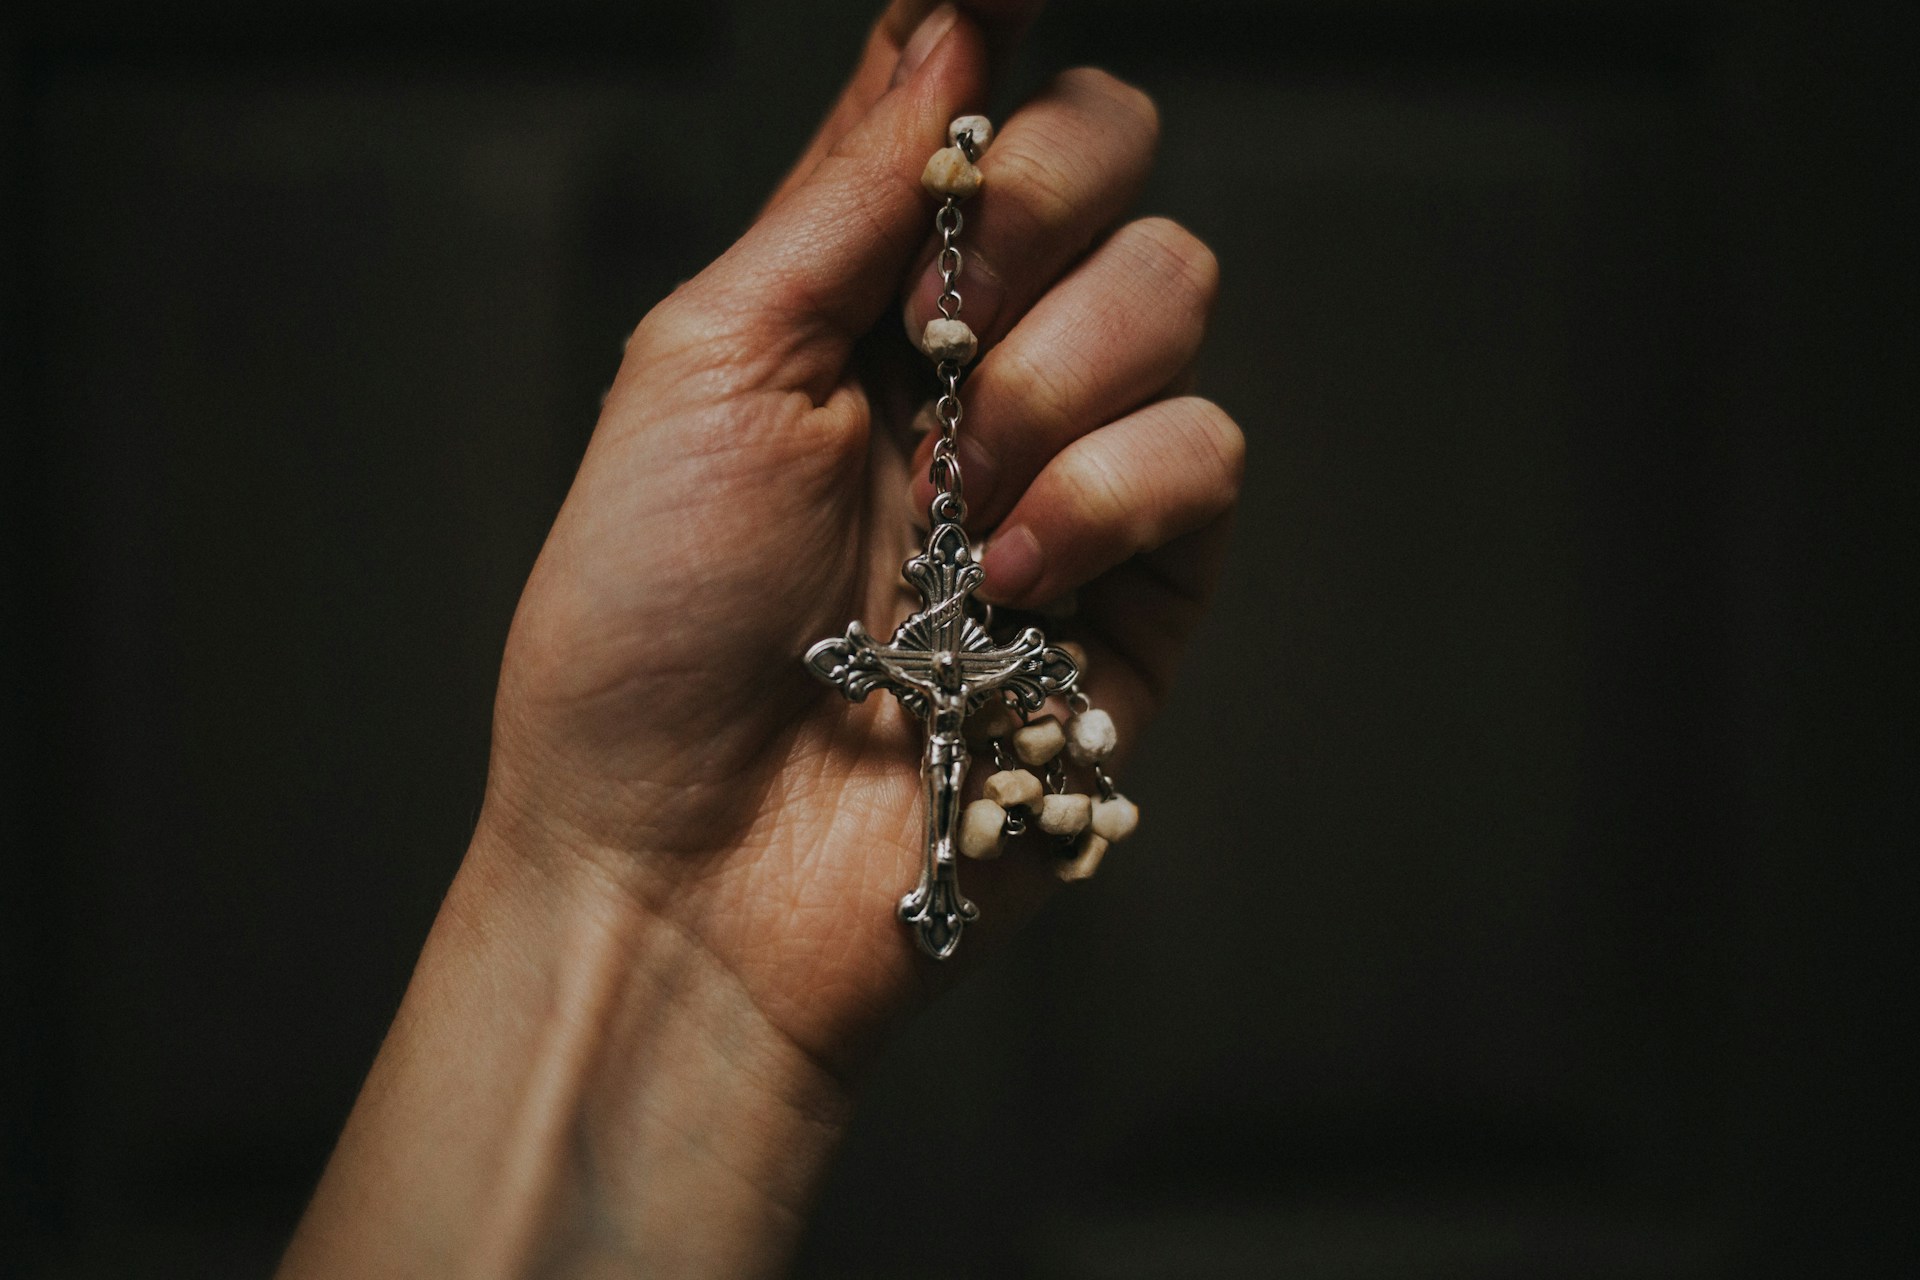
[(633, 1036)]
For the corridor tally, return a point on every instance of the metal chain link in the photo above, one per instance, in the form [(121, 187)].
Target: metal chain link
[(949, 497)]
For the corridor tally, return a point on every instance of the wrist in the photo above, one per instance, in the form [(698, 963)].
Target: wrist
[(688, 1132), (573, 1081)]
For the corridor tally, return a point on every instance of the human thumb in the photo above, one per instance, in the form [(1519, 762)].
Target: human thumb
[(829, 258)]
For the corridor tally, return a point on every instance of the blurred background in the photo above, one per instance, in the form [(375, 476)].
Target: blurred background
[(1524, 891)]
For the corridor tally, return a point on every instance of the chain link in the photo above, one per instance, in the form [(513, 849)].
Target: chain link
[(949, 498), (949, 501)]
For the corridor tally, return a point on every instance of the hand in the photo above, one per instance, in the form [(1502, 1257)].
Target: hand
[(747, 492), (735, 835)]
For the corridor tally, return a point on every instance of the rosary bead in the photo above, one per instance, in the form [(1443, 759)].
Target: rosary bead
[(950, 173), (1091, 737), (949, 340), (980, 829), (1013, 788), (1087, 852), (1064, 814), (1115, 819), (1040, 741), (979, 126)]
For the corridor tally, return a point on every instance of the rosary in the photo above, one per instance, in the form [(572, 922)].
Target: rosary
[(946, 667)]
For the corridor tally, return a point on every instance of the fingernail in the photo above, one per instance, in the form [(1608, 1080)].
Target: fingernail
[(1013, 564), (921, 42)]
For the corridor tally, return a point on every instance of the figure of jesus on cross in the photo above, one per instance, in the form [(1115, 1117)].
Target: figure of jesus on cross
[(943, 665)]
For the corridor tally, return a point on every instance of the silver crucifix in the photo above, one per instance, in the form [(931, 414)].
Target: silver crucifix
[(943, 666)]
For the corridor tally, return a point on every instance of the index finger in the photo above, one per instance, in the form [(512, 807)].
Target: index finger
[(882, 62)]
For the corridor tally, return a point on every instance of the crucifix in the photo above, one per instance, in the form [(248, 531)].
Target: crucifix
[(943, 665)]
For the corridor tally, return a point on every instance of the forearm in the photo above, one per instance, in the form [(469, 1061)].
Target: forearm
[(572, 1086)]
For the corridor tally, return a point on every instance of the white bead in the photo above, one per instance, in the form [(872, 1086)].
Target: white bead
[(950, 173), (1091, 737), (980, 829), (1115, 819), (979, 126), (1087, 852), (1040, 741), (949, 340), (1064, 814), (1013, 788)]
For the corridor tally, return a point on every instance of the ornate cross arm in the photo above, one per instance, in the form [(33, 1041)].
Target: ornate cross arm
[(1030, 669), (852, 665)]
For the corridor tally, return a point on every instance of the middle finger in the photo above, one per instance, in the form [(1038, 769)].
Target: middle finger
[(1118, 331), (1063, 170)]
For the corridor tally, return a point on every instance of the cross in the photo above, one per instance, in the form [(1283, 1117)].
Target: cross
[(942, 665)]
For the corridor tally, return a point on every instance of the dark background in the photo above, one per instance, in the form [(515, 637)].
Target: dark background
[(1524, 891)]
